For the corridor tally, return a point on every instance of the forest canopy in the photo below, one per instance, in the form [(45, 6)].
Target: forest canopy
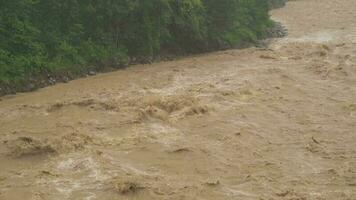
[(47, 36)]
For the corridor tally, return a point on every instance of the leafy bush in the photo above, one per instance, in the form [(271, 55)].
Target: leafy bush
[(276, 3), (39, 36)]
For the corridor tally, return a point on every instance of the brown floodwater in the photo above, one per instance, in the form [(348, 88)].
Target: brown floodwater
[(251, 124)]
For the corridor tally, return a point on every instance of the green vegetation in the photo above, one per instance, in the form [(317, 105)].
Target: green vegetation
[(276, 3), (51, 36)]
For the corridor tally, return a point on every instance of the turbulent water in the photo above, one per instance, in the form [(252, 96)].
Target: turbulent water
[(274, 123)]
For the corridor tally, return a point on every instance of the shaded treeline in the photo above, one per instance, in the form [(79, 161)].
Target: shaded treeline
[(51, 36)]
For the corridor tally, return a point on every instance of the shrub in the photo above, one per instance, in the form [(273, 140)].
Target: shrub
[(52, 35)]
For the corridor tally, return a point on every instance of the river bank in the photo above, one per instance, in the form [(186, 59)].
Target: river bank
[(41, 80)]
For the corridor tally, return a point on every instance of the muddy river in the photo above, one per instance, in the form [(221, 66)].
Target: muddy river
[(252, 124)]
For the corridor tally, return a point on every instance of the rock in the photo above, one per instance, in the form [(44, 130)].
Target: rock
[(65, 79), (91, 73), (277, 31), (52, 81)]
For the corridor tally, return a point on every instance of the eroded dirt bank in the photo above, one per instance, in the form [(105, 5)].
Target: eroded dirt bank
[(276, 123)]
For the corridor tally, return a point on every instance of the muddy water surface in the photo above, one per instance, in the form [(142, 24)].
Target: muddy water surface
[(275, 123)]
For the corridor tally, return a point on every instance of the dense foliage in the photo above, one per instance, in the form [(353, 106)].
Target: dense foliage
[(47, 36), (276, 3)]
